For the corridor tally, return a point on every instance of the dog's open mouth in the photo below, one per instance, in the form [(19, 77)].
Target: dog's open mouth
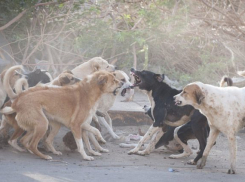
[(137, 80), (178, 102), (116, 91)]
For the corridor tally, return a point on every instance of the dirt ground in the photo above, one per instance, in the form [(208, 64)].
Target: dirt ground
[(118, 165)]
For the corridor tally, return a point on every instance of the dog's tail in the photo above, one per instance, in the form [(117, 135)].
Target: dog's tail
[(226, 80), (19, 84), (7, 110), (9, 73), (241, 73)]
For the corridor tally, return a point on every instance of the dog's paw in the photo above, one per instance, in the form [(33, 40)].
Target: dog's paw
[(104, 150), (142, 153), (57, 153), (173, 156), (202, 163), (102, 140), (95, 153), (191, 162), (231, 171), (88, 158), (133, 151), (47, 157), (116, 137)]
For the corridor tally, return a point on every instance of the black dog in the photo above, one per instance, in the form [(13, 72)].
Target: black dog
[(164, 112), (163, 109), (197, 128), (37, 76)]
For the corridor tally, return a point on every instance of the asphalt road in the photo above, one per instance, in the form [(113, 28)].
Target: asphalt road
[(118, 166)]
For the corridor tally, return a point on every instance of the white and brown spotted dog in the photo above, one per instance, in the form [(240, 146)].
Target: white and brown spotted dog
[(224, 108)]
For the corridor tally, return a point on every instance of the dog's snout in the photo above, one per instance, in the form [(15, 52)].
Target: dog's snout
[(132, 70)]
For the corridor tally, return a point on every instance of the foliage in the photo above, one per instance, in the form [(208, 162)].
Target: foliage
[(187, 40)]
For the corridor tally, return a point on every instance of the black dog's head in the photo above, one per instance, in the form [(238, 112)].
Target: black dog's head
[(146, 80), (37, 76)]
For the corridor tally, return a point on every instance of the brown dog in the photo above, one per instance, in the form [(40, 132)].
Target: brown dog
[(71, 106), (65, 78)]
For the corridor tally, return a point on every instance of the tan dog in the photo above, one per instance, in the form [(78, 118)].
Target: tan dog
[(71, 106), (224, 108), (87, 68), (91, 66), (105, 103), (65, 78)]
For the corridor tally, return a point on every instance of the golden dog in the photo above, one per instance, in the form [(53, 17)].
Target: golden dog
[(72, 106), (65, 78)]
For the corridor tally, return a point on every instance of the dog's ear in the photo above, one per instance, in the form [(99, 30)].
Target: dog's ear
[(95, 66), (37, 71), (199, 95), (64, 80), (102, 79), (159, 77)]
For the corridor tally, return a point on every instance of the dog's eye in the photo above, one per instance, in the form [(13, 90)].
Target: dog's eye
[(107, 67), (72, 78), (123, 80)]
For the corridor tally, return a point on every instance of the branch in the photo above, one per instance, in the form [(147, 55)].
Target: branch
[(225, 16), (13, 20)]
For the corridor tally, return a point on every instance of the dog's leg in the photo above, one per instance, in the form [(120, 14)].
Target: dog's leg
[(152, 143), (3, 124), (211, 139), (77, 133), (108, 119), (87, 144), (26, 139), (96, 144), (108, 127), (17, 133), (4, 128), (233, 149), (187, 151), (93, 130), (146, 137), (131, 145), (48, 142), (39, 131), (96, 122), (201, 134), (13, 140)]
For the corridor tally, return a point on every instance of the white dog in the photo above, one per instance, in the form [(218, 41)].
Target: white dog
[(224, 108)]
